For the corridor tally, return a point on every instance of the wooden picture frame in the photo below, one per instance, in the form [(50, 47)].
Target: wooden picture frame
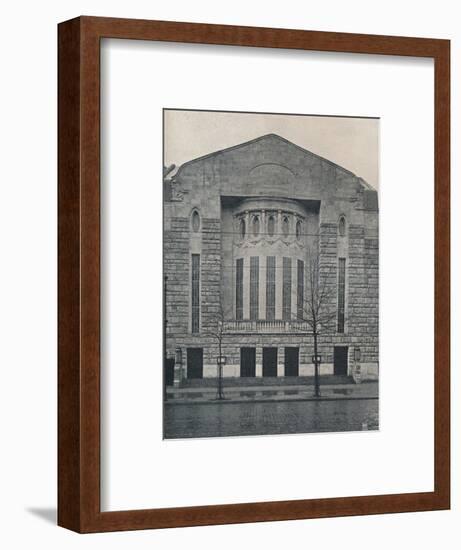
[(79, 274)]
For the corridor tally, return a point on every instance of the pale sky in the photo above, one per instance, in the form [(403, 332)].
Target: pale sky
[(350, 142)]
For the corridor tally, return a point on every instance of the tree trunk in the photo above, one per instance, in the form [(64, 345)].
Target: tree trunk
[(220, 389), (316, 367)]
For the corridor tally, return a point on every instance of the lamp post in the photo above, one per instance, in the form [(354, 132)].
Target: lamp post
[(221, 362), (317, 360)]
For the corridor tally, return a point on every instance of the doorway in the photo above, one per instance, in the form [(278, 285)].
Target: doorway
[(169, 371), (194, 362), (340, 360), (247, 362), (269, 361), (291, 361)]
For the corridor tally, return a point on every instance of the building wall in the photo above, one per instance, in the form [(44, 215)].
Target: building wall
[(227, 185)]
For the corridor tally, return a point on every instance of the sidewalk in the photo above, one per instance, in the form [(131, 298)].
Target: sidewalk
[(366, 390)]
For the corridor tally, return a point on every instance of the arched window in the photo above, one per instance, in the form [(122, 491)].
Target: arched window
[(299, 229), (285, 226), (271, 226), (242, 228), (195, 221), (342, 226), (255, 226)]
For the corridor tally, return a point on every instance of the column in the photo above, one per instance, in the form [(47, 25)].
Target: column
[(259, 361), (278, 287), (262, 286), (294, 289), (281, 361), (246, 287), (246, 271)]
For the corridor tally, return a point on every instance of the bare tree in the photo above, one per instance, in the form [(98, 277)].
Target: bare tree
[(319, 307), (218, 331)]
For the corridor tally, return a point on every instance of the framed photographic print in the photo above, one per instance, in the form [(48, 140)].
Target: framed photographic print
[(270, 256), (253, 274)]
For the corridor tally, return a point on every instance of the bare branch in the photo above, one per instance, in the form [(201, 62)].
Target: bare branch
[(319, 307)]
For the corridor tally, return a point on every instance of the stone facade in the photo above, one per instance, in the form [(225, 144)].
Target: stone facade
[(268, 198)]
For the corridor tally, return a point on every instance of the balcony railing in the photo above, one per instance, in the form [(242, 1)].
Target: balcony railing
[(266, 327)]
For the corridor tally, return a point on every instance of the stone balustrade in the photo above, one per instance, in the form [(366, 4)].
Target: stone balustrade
[(261, 326)]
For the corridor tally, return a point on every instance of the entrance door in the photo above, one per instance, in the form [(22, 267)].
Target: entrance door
[(194, 362), (340, 360), (169, 371), (269, 361), (248, 362), (291, 361)]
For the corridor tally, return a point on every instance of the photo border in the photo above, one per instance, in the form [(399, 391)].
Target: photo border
[(257, 113), (79, 274)]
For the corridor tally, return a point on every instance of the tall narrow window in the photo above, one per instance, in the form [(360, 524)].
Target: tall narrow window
[(242, 228), (270, 288), (195, 221), (299, 229), (271, 226), (342, 226), (254, 287), (285, 226), (300, 293), (341, 292), (286, 289), (195, 292), (239, 289)]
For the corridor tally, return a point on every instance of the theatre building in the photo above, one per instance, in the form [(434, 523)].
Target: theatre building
[(242, 227)]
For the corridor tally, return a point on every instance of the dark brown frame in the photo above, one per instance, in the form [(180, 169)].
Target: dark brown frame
[(79, 283)]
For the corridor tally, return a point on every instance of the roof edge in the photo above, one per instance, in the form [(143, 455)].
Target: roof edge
[(255, 140)]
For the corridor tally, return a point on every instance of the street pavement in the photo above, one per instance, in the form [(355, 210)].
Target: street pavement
[(236, 418), (299, 392)]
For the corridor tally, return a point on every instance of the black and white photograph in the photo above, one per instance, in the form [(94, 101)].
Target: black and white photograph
[(271, 274)]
